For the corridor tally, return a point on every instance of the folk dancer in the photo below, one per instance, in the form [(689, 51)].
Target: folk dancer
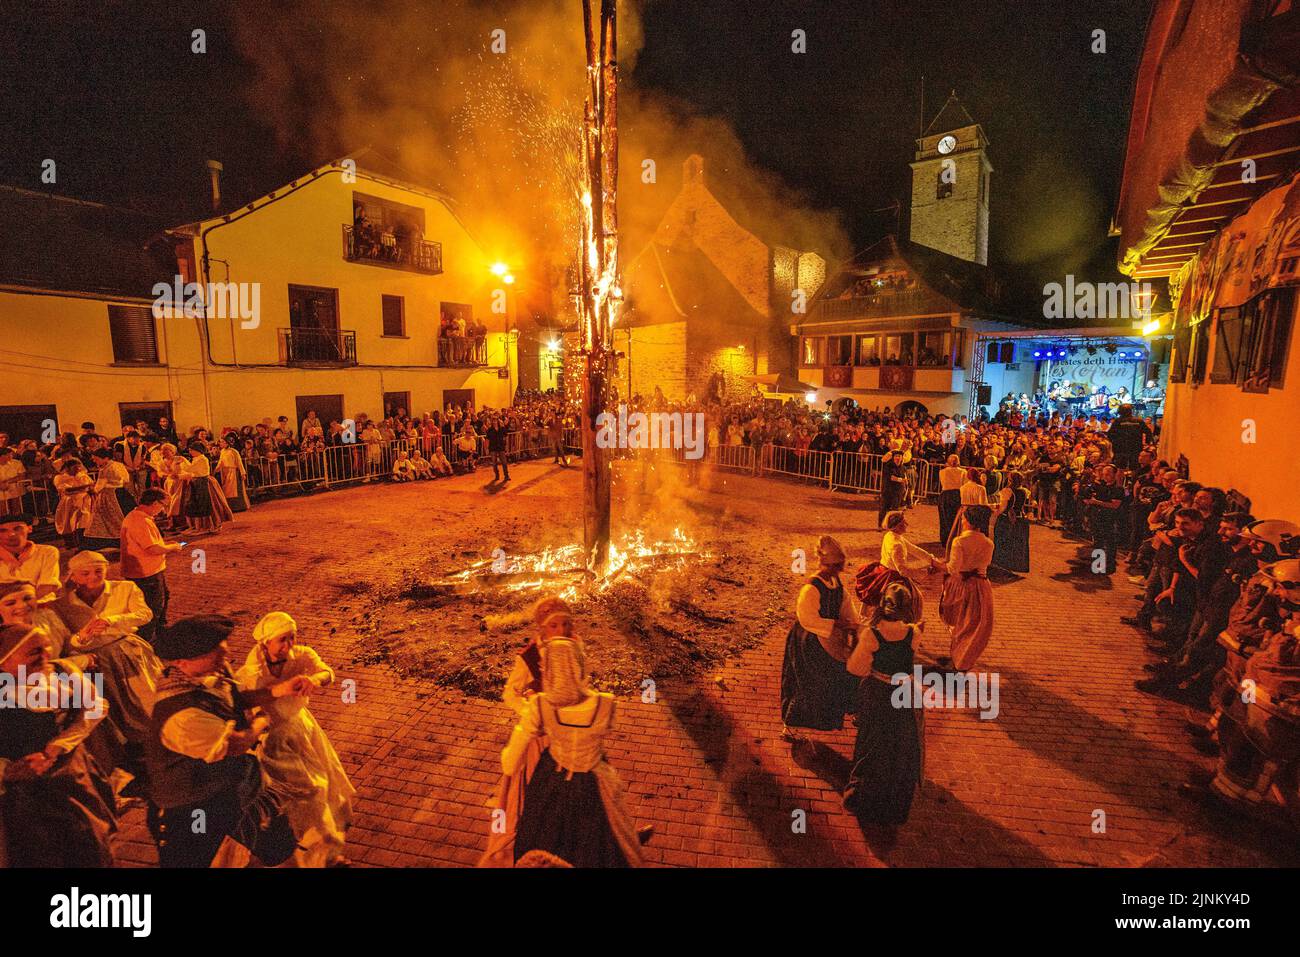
[(200, 755), (296, 755), (574, 807), (887, 752), (966, 604), (816, 690), (101, 617), (56, 808)]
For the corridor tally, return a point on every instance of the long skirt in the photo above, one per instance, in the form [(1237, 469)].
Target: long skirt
[(299, 760), (508, 807), (949, 502), (816, 689), (61, 819), (72, 513), (578, 817), (886, 755), (107, 510), (966, 607), (874, 579), (1011, 543), (204, 505), (130, 672), (234, 489)]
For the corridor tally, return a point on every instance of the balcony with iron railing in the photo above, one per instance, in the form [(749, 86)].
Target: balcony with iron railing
[(462, 352), (375, 247), (318, 347)]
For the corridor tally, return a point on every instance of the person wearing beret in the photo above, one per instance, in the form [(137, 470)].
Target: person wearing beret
[(297, 755), (209, 806), (56, 806)]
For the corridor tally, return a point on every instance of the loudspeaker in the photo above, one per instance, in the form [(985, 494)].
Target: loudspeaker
[(992, 354), (1008, 352), (984, 395)]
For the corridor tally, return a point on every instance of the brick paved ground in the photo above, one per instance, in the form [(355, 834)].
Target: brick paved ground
[(705, 763)]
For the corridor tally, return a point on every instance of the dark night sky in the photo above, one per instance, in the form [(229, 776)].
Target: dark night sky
[(112, 93)]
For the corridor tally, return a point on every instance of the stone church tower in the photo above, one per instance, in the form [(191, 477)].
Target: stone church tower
[(950, 186)]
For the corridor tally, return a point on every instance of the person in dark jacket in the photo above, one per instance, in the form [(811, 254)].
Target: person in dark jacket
[(205, 781)]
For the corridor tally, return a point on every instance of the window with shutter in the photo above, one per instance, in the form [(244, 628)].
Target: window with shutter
[(1227, 346), (1269, 340), (1200, 352), (394, 316), (1182, 347), (135, 338)]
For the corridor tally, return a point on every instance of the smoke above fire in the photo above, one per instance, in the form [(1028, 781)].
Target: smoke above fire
[(483, 99)]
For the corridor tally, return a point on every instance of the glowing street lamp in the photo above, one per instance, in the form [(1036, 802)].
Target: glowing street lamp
[(500, 269)]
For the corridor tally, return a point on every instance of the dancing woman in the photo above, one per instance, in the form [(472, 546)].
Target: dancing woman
[(966, 605), (573, 806), (887, 753), (816, 690)]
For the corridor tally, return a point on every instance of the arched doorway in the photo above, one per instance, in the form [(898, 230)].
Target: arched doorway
[(911, 409)]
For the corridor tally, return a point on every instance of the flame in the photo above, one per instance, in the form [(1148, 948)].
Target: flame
[(539, 570)]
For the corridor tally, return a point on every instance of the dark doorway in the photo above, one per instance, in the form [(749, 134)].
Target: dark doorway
[(148, 412), (37, 422), (396, 403), (461, 398), (328, 408)]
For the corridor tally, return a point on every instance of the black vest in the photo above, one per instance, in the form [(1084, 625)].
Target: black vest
[(176, 780)]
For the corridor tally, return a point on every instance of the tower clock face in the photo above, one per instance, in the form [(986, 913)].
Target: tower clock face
[(947, 144)]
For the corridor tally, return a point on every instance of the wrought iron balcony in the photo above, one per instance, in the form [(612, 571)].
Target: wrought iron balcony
[(462, 352), (378, 248), (300, 347)]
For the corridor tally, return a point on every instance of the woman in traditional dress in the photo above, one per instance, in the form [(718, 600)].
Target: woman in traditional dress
[(1011, 528), (101, 617), (18, 606), (233, 475), (972, 492), (73, 483), (966, 605), (887, 752), (816, 690), (297, 756), (205, 506), (169, 472), (574, 805), (56, 807), (111, 501), (900, 562)]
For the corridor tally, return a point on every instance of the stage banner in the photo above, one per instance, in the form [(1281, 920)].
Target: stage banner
[(896, 378), (1097, 371)]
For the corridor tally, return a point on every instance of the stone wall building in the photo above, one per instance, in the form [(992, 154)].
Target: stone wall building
[(707, 301)]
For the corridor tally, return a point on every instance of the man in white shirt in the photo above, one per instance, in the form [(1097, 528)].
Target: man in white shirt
[(13, 477), (23, 560)]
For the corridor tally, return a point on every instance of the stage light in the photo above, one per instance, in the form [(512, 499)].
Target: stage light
[(1110, 348), (1123, 355), (1137, 355), (811, 397), (1151, 327), (1038, 353), (1092, 350), (1061, 354)]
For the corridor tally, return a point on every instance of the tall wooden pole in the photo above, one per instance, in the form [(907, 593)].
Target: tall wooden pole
[(601, 294)]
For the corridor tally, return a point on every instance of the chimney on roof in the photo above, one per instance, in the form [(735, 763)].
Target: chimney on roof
[(214, 171)]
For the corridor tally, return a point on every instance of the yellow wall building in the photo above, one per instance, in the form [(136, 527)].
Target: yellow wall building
[(317, 314)]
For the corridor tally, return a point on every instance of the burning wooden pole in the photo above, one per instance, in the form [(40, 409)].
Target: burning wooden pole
[(598, 269)]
